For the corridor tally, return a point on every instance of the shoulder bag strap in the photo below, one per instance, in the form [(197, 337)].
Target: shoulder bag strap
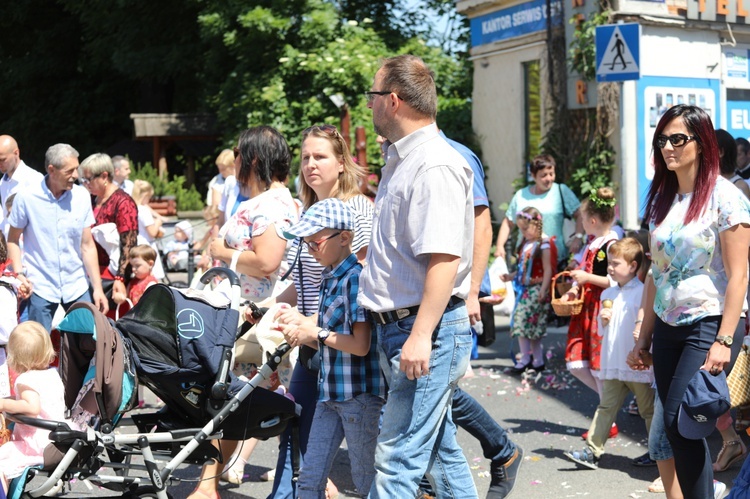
[(562, 201)]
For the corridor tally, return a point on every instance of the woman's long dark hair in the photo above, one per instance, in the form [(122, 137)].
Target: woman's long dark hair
[(664, 186)]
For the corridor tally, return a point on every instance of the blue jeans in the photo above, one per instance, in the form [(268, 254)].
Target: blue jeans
[(658, 444), (471, 416), (678, 353), (418, 433), (356, 420), (42, 311), (304, 388)]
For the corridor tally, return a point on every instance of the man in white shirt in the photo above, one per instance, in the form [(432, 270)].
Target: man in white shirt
[(122, 173), (55, 218), (415, 283), (16, 175)]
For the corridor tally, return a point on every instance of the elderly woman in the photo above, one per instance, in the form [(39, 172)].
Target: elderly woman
[(700, 231), (252, 240), (554, 201), (111, 205)]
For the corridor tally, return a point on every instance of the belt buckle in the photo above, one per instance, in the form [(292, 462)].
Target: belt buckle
[(402, 313)]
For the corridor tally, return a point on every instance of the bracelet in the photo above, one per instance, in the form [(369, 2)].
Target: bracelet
[(639, 321), (119, 278), (235, 257)]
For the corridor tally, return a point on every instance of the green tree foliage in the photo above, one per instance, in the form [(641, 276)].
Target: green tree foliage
[(77, 69)]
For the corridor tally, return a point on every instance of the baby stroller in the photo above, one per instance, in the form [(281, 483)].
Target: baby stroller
[(179, 344)]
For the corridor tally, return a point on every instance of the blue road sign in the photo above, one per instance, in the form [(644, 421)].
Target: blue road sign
[(618, 52)]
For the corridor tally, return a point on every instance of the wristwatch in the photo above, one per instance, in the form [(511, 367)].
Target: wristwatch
[(578, 235), (724, 340), (323, 335)]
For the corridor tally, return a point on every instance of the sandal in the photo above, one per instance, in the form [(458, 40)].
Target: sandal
[(730, 453), (235, 473), (657, 486)]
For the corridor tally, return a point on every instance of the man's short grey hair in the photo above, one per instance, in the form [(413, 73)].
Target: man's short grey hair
[(413, 81), (58, 153), (119, 161)]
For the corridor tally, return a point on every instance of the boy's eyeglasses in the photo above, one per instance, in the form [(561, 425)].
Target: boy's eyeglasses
[(676, 139), (315, 245)]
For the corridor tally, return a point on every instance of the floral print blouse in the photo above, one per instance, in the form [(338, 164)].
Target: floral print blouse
[(687, 265), (253, 217)]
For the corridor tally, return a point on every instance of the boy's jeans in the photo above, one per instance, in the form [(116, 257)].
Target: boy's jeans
[(356, 420), (417, 431)]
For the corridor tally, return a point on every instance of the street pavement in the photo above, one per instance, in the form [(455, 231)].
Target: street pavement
[(544, 414)]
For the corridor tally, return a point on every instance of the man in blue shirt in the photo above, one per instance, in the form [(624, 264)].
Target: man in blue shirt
[(55, 218)]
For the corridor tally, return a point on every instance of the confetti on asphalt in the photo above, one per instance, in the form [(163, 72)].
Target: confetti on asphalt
[(536, 482)]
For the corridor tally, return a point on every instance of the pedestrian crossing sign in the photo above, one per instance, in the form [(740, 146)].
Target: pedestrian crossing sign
[(618, 52)]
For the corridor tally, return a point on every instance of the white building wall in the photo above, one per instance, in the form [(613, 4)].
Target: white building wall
[(680, 52), (498, 115)]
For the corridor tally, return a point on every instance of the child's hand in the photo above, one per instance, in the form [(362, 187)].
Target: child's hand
[(289, 316), (25, 287), (579, 276), (544, 294), (506, 277), (571, 295), (297, 335), (605, 315), (119, 297)]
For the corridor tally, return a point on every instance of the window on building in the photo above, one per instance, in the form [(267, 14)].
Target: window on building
[(532, 110)]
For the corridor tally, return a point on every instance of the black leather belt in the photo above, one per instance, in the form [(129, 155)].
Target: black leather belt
[(383, 318)]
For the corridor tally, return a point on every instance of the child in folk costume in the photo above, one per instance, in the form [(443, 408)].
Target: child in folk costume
[(584, 344), (537, 256)]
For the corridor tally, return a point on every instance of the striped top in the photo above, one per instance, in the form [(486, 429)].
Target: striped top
[(306, 271)]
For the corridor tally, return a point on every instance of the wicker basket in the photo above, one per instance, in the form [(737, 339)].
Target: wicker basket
[(566, 308), (4, 431)]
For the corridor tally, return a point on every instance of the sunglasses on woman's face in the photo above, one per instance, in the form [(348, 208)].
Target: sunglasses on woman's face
[(676, 139)]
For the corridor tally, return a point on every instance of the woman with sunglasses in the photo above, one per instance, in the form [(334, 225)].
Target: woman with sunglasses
[(111, 205), (252, 242), (699, 226), (327, 170)]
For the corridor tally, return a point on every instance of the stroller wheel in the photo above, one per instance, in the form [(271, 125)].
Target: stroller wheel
[(144, 492)]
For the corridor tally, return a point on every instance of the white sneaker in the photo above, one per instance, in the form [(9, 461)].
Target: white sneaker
[(719, 489)]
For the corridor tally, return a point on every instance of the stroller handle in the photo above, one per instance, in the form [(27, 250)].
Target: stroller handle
[(234, 279)]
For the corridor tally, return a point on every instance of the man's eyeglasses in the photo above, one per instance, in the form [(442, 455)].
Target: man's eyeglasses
[(327, 129), (371, 94), (677, 140), (315, 245)]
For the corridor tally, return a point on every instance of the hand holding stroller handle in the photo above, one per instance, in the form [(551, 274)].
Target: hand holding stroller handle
[(234, 279)]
